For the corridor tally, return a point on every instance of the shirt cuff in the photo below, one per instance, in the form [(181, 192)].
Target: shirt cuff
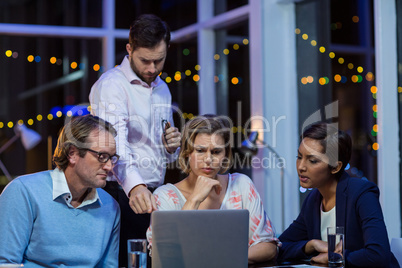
[(172, 157), (132, 179)]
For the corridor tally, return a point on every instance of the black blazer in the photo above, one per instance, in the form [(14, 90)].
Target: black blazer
[(358, 210)]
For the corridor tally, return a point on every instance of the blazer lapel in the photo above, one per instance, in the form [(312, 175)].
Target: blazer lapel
[(341, 200), (316, 215)]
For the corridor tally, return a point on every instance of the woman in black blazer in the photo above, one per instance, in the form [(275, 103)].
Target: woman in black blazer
[(337, 200)]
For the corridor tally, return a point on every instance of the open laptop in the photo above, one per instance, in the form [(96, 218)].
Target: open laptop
[(200, 238)]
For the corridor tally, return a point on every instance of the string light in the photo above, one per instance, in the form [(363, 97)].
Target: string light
[(305, 80), (96, 67)]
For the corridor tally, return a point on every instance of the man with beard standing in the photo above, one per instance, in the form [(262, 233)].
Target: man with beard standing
[(137, 102)]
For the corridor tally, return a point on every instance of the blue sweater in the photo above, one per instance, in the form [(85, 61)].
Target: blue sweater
[(358, 210), (41, 232)]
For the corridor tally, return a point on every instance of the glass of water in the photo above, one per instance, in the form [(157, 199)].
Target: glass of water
[(137, 253), (336, 246)]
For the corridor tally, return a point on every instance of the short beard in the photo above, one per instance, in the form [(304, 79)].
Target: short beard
[(135, 70)]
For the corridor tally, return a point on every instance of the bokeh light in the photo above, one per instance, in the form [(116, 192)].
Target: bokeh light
[(186, 52), (177, 76), (369, 76), (235, 80), (321, 81), (376, 146)]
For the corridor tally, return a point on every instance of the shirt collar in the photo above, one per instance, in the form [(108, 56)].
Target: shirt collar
[(60, 189), (132, 76)]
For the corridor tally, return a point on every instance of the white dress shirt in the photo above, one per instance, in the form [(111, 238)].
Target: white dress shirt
[(328, 219), (136, 110), (60, 188)]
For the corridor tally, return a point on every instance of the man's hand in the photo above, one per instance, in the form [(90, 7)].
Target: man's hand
[(141, 200), (172, 138)]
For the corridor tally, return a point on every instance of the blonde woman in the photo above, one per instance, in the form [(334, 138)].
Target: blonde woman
[(205, 156)]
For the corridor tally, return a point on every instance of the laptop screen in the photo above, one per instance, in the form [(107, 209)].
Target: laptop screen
[(200, 238)]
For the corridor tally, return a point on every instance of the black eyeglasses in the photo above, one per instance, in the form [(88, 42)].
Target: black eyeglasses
[(104, 157)]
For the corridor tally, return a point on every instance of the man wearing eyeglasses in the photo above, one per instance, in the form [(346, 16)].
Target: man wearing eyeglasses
[(60, 217)]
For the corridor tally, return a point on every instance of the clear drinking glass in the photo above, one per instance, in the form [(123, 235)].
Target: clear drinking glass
[(137, 253), (336, 246)]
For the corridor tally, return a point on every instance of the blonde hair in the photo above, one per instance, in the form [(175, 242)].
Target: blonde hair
[(208, 124)]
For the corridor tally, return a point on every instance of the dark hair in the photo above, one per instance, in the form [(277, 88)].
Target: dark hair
[(75, 133), (209, 124), (147, 31), (337, 144)]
